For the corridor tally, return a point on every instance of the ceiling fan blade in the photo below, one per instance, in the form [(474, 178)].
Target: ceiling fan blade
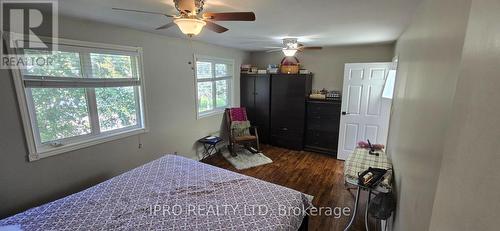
[(274, 50), (142, 11), (230, 16), (311, 48), (215, 27), (168, 25)]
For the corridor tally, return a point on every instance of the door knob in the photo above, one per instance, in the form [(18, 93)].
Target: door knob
[(345, 113)]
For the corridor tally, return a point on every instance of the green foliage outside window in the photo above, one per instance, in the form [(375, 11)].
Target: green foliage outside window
[(116, 107), (61, 113), (111, 66), (64, 112)]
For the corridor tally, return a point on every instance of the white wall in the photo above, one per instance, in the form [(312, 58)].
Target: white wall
[(429, 60), (328, 64), (467, 194), (172, 117)]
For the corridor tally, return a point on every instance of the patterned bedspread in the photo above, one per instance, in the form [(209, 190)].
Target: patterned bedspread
[(171, 193)]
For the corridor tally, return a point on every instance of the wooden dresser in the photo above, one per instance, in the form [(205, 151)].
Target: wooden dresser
[(322, 126)]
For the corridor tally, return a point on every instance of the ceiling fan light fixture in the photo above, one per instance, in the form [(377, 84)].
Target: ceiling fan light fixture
[(289, 52), (190, 26)]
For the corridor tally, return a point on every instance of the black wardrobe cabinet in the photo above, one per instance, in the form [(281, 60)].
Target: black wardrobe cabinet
[(288, 109), (277, 105), (255, 96)]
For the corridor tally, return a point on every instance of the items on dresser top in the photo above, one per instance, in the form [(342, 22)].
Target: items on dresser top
[(304, 72), (317, 96), (325, 95), (334, 95)]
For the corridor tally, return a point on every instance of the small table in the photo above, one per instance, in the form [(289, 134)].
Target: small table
[(209, 145), (359, 161)]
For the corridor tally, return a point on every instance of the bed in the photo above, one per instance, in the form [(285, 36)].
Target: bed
[(171, 193)]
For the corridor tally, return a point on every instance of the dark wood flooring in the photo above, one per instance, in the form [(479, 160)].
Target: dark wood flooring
[(316, 174)]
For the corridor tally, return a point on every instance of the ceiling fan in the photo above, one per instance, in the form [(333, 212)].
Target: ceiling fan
[(191, 21), (291, 46)]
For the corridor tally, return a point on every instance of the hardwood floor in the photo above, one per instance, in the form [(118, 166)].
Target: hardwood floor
[(315, 174)]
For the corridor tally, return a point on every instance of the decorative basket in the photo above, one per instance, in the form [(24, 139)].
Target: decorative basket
[(289, 67)]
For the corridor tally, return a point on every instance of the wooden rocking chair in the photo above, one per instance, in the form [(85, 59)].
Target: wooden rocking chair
[(240, 131)]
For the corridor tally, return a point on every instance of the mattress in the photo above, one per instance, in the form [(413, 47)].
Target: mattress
[(171, 193)]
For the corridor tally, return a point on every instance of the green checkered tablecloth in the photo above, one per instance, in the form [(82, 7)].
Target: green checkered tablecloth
[(360, 160)]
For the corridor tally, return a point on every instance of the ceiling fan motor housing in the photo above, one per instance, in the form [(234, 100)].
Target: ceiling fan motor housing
[(290, 43), (184, 6)]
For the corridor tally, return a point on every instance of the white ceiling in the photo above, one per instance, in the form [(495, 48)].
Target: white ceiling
[(314, 22)]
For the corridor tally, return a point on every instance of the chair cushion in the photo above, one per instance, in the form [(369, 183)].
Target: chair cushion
[(245, 138)]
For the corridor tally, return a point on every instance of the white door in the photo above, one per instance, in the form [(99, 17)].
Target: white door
[(365, 114)]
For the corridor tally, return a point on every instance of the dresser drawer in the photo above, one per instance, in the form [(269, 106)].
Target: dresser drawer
[(326, 140), (323, 109), (323, 123)]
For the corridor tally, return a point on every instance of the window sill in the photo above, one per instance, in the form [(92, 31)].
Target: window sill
[(210, 114), (40, 154)]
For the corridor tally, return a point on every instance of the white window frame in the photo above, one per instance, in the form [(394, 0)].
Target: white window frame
[(36, 149), (213, 60)]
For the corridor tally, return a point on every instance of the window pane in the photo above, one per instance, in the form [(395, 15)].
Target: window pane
[(221, 70), (205, 98), (204, 70), (61, 113), (111, 66), (56, 64), (117, 107), (221, 89)]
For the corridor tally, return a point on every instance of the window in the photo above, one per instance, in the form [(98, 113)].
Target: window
[(89, 94), (213, 85)]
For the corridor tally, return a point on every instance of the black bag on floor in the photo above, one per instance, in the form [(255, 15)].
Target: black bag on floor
[(382, 206)]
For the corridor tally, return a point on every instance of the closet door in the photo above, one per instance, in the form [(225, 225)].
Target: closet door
[(247, 95), (288, 109), (262, 106)]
